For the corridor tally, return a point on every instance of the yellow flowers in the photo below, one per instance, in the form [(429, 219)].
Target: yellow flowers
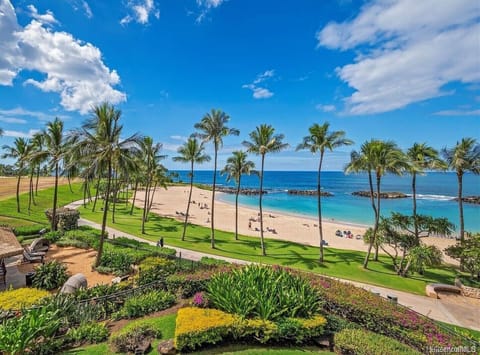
[(192, 319), (314, 322), (22, 297)]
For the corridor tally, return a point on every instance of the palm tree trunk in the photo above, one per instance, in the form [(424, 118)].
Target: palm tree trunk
[(18, 190), (127, 182), (105, 213), (115, 194), (460, 209), (30, 191), (377, 219), (85, 193), (212, 224), (38, 178), (69, 182), (134, 196), (264, 253), (188, 205), (150, 201), (370, 245), (320, 229), (55, 193), (96, 194), (145, 204), (414, 199), (236, 207)]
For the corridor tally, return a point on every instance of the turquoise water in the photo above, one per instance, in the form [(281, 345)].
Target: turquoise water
[(435, 193)]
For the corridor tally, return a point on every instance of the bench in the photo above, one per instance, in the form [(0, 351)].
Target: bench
[(433, 289)]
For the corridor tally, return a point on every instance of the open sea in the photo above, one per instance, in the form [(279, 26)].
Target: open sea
[(435, 194)]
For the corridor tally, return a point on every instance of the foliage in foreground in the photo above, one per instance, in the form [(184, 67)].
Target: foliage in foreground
[(87, 333), (363, 342), (21, 298)]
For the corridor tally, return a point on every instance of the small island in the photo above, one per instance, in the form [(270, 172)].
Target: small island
[(392, 194), (470, 199), (309, 193)]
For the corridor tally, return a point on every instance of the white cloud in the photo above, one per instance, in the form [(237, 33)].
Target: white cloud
[(19, 134), (47, 18), (81, 5), (326, 108), (458, 113), (12, 120), (140, 12), (170, 147), (205, 7), (179, 138), (72, 68), (407, 51), (19, 111), (260, 92)]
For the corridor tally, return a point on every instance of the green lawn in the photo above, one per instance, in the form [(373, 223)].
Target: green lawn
[(338, 263), (8, 207)]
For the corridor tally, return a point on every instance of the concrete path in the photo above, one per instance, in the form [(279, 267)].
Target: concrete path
[(447, 309)]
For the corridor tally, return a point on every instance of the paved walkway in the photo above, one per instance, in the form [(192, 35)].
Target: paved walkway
[(447, 309)]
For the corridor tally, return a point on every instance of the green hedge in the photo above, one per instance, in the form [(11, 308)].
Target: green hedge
[(363, 342), (149, 302)]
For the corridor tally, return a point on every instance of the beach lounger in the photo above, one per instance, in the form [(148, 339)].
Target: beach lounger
[(33, 258)]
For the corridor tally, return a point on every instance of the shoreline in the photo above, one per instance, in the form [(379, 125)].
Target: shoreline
[(279, 225)]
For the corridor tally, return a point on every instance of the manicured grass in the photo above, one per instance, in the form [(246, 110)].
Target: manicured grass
[(44, 200), (345, 264)]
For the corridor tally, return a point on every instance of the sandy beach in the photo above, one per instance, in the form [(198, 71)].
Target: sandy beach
[(173, 202)]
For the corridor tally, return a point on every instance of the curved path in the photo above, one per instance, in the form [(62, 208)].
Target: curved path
[(453, 309)]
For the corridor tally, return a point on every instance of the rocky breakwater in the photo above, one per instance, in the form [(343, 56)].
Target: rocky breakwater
[(233, 190), (309, 193), (470, 199), (382, 194)]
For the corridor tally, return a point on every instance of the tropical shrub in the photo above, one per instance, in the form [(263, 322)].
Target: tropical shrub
[(263, 292), (151, 301), (119, 263), (363, 342), (129, 340), (197, 327), (154, 269), (50, 275), (380, 316), (86, 235), (21, 298), (187, 284), (200, 300), (87, 333), (17, 335), (53, 236)]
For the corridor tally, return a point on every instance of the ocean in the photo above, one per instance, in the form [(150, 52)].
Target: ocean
[(435, 194)]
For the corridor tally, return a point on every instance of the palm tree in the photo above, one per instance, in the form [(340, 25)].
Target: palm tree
[(38, 142), (376, 157), (213, 127), (237, 165), (99, 142), (263, 141), (421, 157), (319, 140), (464, 157), (191, 152), (20, 150)]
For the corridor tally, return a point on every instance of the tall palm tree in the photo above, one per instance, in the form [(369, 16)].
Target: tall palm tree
[(150, 153), (376, 157), (38, 142), (54, 152), (191, 152), (263, 140), (463, 157), (421, 157), (237, 165), (318, 141), (99, 142), (20, 150), (213, 127)]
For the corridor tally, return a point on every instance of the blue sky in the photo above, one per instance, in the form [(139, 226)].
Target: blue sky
[(402, 70)]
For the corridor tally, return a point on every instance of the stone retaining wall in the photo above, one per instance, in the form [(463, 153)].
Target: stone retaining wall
[(470, 292)]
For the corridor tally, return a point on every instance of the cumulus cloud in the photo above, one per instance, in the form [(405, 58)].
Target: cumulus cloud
[(325, 108), (257, 86), (407, 51), (71, 68), (47, 18), (140, 12), (20, 134)]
